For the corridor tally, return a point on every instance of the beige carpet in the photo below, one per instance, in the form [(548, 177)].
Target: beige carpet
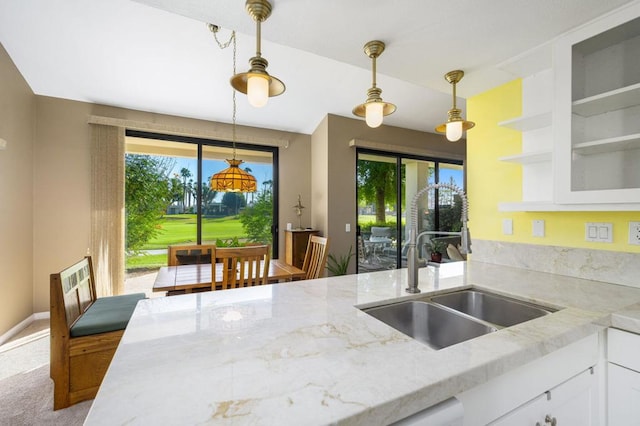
[(27, 399), (26, 391)]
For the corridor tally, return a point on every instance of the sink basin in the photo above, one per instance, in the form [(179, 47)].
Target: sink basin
[(436, 326), (498, 310)]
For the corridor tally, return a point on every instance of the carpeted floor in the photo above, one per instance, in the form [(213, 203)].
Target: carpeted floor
[(27, 399), (26, 391)]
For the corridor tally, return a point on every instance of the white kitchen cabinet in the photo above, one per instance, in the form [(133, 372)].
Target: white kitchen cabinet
[(574, 402), (580, 118), (623, 378), (561, 384), (624, 396), (596, 112)]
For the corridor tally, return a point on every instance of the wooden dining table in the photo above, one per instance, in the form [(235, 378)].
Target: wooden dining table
[(190, 278)]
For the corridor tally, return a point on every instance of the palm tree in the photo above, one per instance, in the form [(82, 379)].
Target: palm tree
[(191, 191), (248, 170), (208, 195), (186, 174)]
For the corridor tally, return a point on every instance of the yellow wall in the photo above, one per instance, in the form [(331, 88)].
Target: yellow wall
[(490, 181)]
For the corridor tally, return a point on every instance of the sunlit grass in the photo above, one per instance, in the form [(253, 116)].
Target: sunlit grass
[(144, 261), (180, 229)]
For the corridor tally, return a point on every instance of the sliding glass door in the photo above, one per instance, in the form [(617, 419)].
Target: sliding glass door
[(168, 199), (378, 178), (386, 185)]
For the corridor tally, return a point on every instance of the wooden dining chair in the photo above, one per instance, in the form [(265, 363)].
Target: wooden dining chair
[(241, 266), (189, 254), (316, 256)]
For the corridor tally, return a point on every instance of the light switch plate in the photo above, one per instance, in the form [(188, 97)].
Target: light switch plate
[(507, 226), (347, 227), (598, 232), (538, 228)]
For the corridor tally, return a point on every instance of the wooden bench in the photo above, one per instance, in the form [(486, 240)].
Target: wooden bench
[(85, 332)]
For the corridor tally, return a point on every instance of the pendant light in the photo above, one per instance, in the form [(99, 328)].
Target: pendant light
[(256, 83), (233, 178), (374, 108), (455, 124)]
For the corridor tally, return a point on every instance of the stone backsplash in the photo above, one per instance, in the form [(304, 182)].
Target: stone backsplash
[(599, 265)]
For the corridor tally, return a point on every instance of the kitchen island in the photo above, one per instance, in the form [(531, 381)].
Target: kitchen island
[(304, 353)]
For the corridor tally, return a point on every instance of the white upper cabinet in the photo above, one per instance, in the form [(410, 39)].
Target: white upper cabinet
[(596, 113), (580, 118)]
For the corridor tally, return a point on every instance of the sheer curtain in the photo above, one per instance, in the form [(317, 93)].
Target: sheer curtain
[(107, 208)]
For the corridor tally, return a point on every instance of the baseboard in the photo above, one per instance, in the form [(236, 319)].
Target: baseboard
[(41, 315), (22, 325)]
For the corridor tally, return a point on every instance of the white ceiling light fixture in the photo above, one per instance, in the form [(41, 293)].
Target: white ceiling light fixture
[(374, 109), (256, 83), (455, 124)]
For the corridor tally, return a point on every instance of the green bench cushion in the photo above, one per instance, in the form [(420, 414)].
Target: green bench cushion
[(106, 314)]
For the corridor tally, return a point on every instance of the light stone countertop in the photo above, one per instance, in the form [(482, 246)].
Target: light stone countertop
[(302, 353)]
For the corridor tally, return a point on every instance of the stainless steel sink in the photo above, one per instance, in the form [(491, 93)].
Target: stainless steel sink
[(497, 310), (433, 325), (444, 320)]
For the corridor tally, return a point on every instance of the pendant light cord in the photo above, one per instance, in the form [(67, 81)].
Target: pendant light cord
[(232, 39), (233, 118)]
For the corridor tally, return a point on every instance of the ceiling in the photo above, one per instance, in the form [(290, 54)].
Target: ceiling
[(159, 56)]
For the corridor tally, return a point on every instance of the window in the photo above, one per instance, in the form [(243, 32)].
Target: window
[(167, 179)]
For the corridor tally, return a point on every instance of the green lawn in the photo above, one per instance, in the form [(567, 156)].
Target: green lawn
[(181, 228), (146, 261), (365, 220)]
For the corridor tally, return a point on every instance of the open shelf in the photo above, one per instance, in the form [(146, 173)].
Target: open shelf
[(549, 206), (599, 146), (609, 101), (528, 157), (529, 122)]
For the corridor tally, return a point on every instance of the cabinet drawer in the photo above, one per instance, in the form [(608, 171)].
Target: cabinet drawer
[(623, 348)]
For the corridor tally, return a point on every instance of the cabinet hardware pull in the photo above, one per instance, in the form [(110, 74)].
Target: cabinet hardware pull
[(550, 420)]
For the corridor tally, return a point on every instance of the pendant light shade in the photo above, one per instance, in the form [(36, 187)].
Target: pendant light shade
[(256, 83), (374, 108), (455, 125), (233, 179)]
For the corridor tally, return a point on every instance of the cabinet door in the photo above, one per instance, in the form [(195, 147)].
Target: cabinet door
[(527, 414), (575, 402), (572, 403), (624, 396), (596, 112)]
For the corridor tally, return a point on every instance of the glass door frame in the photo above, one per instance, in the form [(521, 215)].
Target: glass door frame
[(200, 142), (399, 157)]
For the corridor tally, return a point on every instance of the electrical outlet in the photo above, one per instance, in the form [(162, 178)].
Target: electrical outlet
[(634, 233)]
